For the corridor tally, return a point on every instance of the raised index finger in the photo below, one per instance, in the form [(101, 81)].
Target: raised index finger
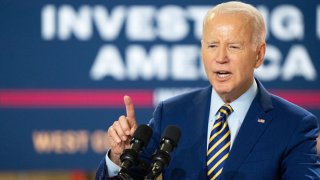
[(130, 110)]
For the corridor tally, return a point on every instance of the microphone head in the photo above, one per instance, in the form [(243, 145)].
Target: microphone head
[(143, 133), (173, 133)]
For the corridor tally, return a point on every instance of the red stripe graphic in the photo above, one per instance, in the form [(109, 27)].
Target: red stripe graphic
[(73, 98), (309, 99), (33, 98)]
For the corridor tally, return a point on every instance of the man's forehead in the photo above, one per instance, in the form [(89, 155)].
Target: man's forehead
[(229, 40)]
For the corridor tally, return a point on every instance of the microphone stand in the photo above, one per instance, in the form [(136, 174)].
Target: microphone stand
[(128, 158), (124, 175), (160, 160), (155, 172)]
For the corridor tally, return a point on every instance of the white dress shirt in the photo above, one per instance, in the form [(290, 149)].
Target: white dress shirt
[(240, 108)]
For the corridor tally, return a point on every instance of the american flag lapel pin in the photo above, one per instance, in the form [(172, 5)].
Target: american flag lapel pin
[(261, 121)]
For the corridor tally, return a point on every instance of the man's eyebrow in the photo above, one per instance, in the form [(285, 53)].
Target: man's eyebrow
[(236, 42), (211, 42)]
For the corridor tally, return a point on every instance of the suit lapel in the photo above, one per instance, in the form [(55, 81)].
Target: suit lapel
[(198, 115), (253, 126)]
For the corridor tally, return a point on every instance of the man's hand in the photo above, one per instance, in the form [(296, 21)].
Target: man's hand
[(119, 134)]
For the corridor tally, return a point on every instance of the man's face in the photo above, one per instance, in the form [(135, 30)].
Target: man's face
[(229, 54)]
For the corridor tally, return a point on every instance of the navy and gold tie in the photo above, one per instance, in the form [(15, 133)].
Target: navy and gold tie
[(219, 143)]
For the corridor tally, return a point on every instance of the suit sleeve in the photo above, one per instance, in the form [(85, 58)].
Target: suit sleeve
[(102, 171), (300, 161)]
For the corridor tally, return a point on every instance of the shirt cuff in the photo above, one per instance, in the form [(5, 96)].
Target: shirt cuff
[(113, 168)]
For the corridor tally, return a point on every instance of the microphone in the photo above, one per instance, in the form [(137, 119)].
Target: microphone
[(161, 157), (129, 157)]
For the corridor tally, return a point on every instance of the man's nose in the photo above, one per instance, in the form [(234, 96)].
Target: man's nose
[(222, 56)]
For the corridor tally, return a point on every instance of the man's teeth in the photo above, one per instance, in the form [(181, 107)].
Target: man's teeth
[(223, 74)]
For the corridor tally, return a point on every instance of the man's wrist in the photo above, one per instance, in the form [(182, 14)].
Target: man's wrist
[(112, 167), (115, 158)]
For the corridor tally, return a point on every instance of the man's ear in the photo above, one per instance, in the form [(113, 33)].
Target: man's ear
[(261, 51)]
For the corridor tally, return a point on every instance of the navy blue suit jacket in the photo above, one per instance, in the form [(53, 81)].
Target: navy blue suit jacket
[(283, 146)]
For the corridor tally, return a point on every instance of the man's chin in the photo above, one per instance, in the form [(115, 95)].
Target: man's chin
[(222, 89), (223, 92)]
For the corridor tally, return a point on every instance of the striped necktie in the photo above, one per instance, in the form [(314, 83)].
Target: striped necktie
[(219, 143)]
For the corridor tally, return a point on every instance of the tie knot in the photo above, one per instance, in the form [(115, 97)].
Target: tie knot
[(225, 110)]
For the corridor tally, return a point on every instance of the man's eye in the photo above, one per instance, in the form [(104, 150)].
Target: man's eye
[(212, 46), (234, 47)]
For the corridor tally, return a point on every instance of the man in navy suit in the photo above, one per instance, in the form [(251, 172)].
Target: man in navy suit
[(268, 137)]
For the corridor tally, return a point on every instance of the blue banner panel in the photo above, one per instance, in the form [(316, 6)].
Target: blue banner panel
[(66, 65)]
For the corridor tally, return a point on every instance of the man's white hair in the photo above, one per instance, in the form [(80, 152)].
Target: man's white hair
[(233, 7)]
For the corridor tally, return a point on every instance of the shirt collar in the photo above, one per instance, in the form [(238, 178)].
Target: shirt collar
[(242, 102)]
